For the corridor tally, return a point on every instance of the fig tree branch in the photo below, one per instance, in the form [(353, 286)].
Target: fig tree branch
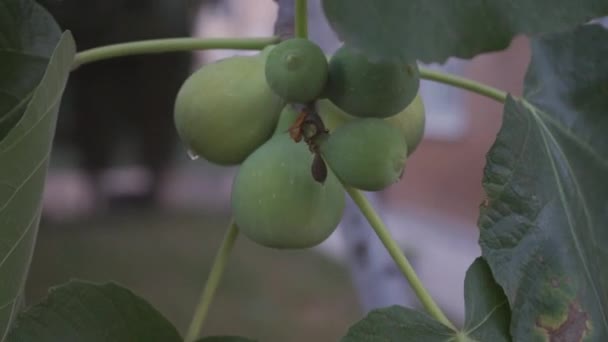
[(219, 264), (153, 46)]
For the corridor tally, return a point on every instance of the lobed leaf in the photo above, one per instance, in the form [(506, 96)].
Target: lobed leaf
[(85, 312), (487, 317), (433, 30), (544, 226), (25, 150)]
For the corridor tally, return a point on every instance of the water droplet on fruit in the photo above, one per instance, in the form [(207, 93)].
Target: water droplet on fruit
[(192, 155)]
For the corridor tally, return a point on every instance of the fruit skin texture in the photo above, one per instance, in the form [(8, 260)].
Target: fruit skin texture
[(368, 154), (225, 110), (296, 69), (366, 88), (277, 203), (411, 121)]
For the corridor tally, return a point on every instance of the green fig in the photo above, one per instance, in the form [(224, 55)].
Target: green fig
[(368, 154), (296, 70), (225, 110), (277, 203), (332, 116), (366, 88), (411, 121), (286, 119)]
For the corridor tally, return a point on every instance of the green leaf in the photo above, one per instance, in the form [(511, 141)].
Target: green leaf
[(433, 30), (225, 339), (487, 310), (487, 316), (28, 35), (85, 312), (24, 156), (397, 323), (544, 228)]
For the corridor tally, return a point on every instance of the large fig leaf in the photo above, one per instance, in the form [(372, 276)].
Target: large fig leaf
[(28, 35), (544, 226), (397, 323), (487, 317), (24, 156), (487, 312), (85, 312), (225, 339), (433, 30)]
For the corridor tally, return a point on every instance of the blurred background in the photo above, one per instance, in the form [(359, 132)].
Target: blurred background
[(124, 202)]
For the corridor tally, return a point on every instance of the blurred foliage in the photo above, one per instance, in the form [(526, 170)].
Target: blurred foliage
[(265, 294)]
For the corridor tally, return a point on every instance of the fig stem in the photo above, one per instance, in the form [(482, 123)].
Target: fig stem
[(169, 45), (301, 19), (397, 254), (464, 83), (217, 268)]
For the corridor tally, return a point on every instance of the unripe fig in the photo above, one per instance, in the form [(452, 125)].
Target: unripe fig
[(411, 121), (277, 203), (296, 70), (225, 110), (368, 154), (286, 119), (332, 116), (368, 88)]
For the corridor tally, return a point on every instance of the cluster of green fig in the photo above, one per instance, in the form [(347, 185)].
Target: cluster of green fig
[(301, 127)]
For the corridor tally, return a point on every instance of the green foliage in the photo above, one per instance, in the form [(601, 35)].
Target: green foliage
[(397, 323), (225, 110), (365, 87), (487, 317), (25, 150), (225, 339), (80, 311), (367, 154), (487, 312), (29, 35), (541, 227), (277, 203), (296, 69), (543, 230), (433, 30)]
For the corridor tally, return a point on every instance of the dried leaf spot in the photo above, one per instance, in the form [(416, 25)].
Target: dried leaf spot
[(575, 328), (541, 259)]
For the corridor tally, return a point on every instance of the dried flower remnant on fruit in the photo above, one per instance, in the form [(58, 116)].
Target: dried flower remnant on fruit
[(309, 126), (319, 169)]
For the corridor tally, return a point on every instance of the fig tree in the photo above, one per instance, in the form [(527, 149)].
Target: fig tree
[(368, 88), (225, 110), (277, 203), (411, 121), (368, 154), (296, 70)]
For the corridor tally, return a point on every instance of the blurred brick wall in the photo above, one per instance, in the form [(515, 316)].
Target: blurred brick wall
[(446, 176)]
